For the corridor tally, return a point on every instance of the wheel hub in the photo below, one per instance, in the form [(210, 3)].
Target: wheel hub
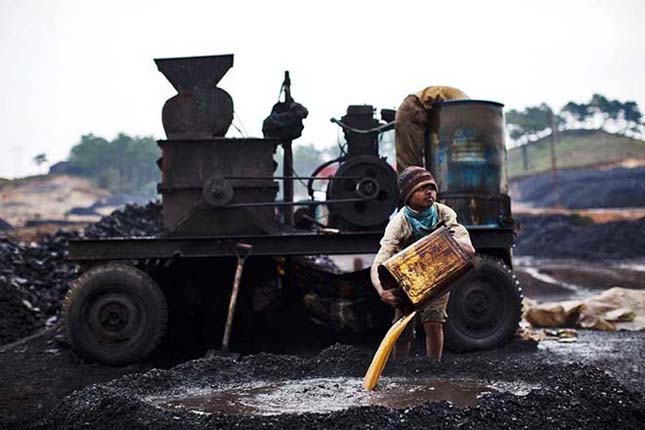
[(367, 188), (114, 317), (476, 304), (480, 306)]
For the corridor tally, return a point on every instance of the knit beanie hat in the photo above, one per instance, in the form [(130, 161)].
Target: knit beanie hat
[(413, 178)]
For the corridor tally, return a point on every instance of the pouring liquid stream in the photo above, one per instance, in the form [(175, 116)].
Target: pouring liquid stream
[(384, 350)]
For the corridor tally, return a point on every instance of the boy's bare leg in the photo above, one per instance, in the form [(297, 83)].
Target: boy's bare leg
[(434, 339), (401, 350)]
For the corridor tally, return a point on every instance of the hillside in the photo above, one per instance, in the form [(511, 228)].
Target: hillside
[(48, 197), (583, 188), (576, 148)]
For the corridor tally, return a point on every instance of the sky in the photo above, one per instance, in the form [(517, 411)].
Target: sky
[(76, 67)]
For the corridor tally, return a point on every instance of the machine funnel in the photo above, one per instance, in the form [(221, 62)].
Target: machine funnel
[(187, 73), (200, 110)]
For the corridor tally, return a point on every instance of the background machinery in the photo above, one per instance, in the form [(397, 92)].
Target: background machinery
[(218, 193)]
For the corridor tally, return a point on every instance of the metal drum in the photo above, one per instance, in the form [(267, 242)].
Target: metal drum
[(467, 156)]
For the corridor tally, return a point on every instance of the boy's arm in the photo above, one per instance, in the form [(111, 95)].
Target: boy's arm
[(391, 242)]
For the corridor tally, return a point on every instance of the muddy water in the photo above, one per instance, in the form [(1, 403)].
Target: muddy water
[(553, 280), (326, 395)]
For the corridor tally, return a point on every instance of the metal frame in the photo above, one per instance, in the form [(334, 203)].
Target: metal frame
[(305, 243)]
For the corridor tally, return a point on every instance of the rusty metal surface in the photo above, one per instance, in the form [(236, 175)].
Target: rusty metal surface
[(217, 192), (476, 209), (468, 159), (297, 243), (425, 269), (200, 110), (191, 167)]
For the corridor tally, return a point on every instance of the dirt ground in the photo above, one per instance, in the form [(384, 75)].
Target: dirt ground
[(595, 382)]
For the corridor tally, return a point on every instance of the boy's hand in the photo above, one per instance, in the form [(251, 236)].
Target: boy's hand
[(388, 296)]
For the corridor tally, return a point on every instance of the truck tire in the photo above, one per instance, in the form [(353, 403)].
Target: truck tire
[(485, 307), (115, 314)]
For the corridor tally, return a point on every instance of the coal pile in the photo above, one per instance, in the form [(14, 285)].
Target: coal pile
[(34, 277), (577, 237), (132, 220), (561, 396), (4, 225), (585, 188)]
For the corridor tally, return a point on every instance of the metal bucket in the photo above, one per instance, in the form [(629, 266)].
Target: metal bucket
[(427, 268)]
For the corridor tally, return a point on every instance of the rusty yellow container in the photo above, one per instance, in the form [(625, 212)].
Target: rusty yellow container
[(427, 268)]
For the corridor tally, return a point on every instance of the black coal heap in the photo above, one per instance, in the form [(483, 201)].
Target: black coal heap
[(34, 277)]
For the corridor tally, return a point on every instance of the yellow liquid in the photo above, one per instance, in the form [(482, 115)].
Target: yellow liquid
[(383, 352)]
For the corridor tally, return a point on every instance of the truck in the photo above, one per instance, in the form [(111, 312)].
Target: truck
[(221, 211)]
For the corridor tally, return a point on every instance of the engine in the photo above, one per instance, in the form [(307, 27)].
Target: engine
[(365, 184), (213, 185)]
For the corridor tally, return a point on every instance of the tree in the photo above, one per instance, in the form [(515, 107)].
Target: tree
[(603, 113), (40, 159), (530, 124), (614, 116), (125, 164), (578, 112), (633, 117)]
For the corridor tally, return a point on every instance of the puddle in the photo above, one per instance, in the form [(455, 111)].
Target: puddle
[(326, 395), (636, 266), (578, 290)]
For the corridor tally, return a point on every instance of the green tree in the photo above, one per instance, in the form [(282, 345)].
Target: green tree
[(600, 112), (125, 164), (529, 124), (633, 116), (603, 113), (578, 111), (40, 159)]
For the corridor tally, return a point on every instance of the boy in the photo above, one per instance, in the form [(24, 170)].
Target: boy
[(418, 217)]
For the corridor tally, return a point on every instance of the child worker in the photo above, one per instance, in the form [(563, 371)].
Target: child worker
[(416, 219)]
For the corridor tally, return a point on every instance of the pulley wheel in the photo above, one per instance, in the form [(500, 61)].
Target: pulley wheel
[(371, 180), (217, 192)]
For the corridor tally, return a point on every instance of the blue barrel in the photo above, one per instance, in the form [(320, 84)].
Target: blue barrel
[(467, 155)]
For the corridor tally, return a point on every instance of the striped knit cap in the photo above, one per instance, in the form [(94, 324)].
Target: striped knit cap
[(411, 179)]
